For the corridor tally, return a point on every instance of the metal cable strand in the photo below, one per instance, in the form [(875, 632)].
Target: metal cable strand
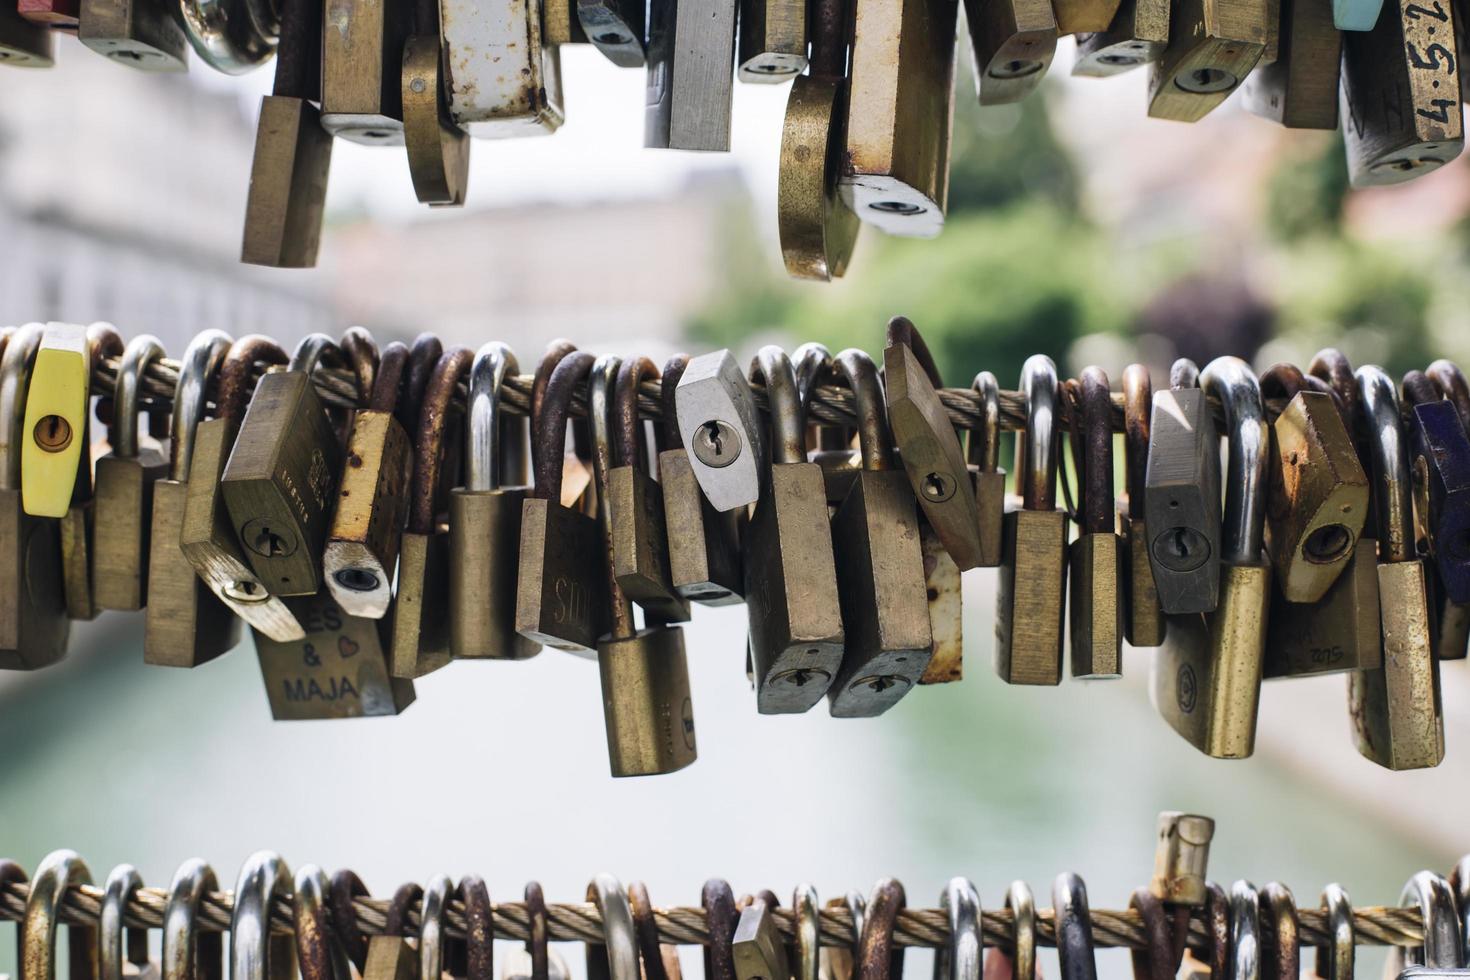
[(581, 922)]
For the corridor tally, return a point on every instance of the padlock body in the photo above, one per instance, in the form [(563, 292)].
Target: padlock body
[(1338, 632), (1012, 43), (646, 702), (1031, 598), (639, 539), (391, 958), (561, 590), (1397, 717), (1213, 45), (24, 43), (76, 531), (337, 670), (796, 629), (757, 946), (1207, 675), (1181, 501), (418, 625), (773, 35), (946, 613), (55, 426), (372, 504), (288, 186), (484, 543), (818, 231), (704, 553), (438, 150), (504, 80), (1299, 88), (33, 626), (281, 482), (141, 34), (185, 624), (362, 45), (990, 514), (1143, 619), (1442, 469), (121, 539), (1136, 37), (690, 80), (1095, 576), (1084, 16)]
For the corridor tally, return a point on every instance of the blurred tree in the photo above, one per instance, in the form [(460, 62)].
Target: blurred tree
[(1007, 153), (1307, 192), (1206, 316)]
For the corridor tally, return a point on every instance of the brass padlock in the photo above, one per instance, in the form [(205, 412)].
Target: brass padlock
[(1212, 46), (880, 565), (757, 947), (124, 494), (638, 533), (1096, 556), (33, 625), (1143, 619), (78, 554), (288, 175), (1395, 709), (281, 479), (690, 80), (1401, 94), (1012, 43), (141, 34), (207, 537), (1299, 88), (1033, 572), (772, 40), (646, 704), (485, 520), (438, 150), (704, 557), (362, 63), (1181, 495), (818, 230), (1317, 499), (895, 169), (983, 452), (796, 631), (1207, 676), (561, 592), (1338, 632), (361, 550), (185, 623), (1084, 16), (57, 403), (418, 625), (24, 43), (1137, 36), (927, 443), (337, 670)]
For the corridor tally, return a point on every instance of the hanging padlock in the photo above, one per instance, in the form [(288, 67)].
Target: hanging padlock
[(504, 80), (796, 631), (616, 28), (1012, 43), (983, 453), (142, 34), (33, 625), (1299, 88), (362, 62), (185, 624), (1181, 495), (124, 495), (78, 527), (1440, 955), (1137, 36), (691, 69), (646, 704), (1096, 556), (1207, 676), (485, 520), (57, 403), (758, 949), (772, 40), (719, 424), (1033, 573), (1143, 617), (438, 149), (1395, 709), (1440, 464), (1212, 47)]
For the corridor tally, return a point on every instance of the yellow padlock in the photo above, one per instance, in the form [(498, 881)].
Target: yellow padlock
[(55, 420)]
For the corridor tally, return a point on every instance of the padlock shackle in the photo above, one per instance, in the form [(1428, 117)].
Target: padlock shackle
[(1156, 962), (433, 936), (1335, 961), (1452, 383), (555, 352), (58, 874), (1022, 906), (962, 957), (538, 928), (423, 357), (361, 352), (1436, 900), (320, 954), (875, 441), (202, 358), (263, 879), (15, 382), (1392, 495), (1036, 448), (237, 373), (878, 956), (141, 351), (901, 330), (1097, 451), (1332, 366), (428, 445), (629, 428), (1138, 399), (118, 945), (484, 419), (104, 341), (649, 950), (812, 363), (601, 381), (1233, 384), (1284, 381), (721, 918), (572, 367), (1418, 389), (773, 369), (673, 373), (388, 382), (1183, 373), (1076, 959), (190, 953), (478, 944), (313, 350), (395, 919), (619, 939), (983, 444), (829, 36), (1245, 930), (1280, 905)]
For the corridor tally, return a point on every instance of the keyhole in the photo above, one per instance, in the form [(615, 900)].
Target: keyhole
[(53, 433), (1181, 549), (269, 543), (937, 487), (267, 539), (716, 444)]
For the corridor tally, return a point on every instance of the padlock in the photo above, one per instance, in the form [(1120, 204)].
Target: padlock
[(1395, 709), (33, 625), (1298, 89), (142, 34), (561, 591), (188, 950), (1137, 36), (1143, 619), (1181, 495), (791, 595), (361, 550), (962, 956), (418, 624), (577, 489), (704, 557), (1076, 959), (1096, 556), (122, 951), (288, 174), (878, 955), (1401, 94), (124, 494), (1243, 940), (24, 43), (718, 421), (1453, 386), (616, 957), (337, 670), (1440, 464), (772, 40), (36, 952), (1207, 676), (927, 443), (207, 536), (320, 950), (638, 536), (880, 565), (646, 704), (946, 610), (78, 552), (1084, 16), (185, 623), (504, 80), (1453, 637), (1317, 496), (485, 521), (895, 169), (1212, 47), (438, 149), (258, 952), (616, 28), (362, 64), (983, 452), (691, 69), (758, 948), (818, 230), (1281, 949), (1012, 43), (1338, 632), (56, 409), (1440, 956), (1033, 572)]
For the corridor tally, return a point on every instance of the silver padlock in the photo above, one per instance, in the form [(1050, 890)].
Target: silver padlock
[(691, 71), (721, 428)]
